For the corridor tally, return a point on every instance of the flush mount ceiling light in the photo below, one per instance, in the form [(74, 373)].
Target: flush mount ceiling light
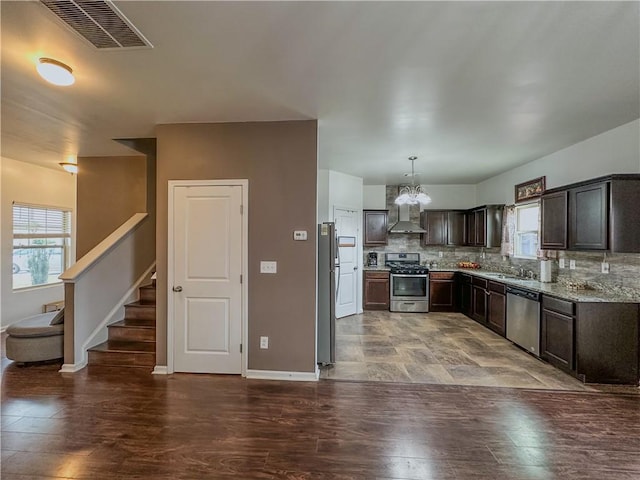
[(55, 72), (70, 167), (412, 194)]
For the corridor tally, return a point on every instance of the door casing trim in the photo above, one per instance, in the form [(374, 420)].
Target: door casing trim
[(172, 185)]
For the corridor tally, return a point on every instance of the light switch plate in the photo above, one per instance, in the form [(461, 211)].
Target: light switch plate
[(572, 264), (268, 267), (561, 263), (264, 343)]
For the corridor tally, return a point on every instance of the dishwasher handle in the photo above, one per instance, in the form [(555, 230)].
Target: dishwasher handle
[(519, 292)]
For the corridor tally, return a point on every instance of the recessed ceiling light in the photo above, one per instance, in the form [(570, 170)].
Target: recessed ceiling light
[(70, 167), (55, 72)]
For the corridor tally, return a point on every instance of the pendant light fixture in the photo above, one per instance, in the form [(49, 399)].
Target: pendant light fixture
[(412, 194), (55, 72)]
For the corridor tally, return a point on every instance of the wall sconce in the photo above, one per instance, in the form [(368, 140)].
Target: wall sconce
[(72, 168)]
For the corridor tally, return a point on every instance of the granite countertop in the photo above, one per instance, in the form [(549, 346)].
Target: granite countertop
[(556, 289), (379, 268)]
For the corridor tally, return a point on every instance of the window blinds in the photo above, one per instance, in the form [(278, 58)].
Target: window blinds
[(31, 221)]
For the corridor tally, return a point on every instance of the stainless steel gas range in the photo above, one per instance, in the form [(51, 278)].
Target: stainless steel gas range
[(409, 289)]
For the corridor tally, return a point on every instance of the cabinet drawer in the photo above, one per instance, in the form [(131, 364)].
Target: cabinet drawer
[(441, 275), (480, 282), (557, 305), (497, 287), (374, 274)]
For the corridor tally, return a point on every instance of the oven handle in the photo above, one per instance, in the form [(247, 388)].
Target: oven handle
[(409, 275)]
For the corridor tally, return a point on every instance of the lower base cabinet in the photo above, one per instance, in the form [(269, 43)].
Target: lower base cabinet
[(479, 300), (607, 339), (464, 293), (557, 340), (442, 290), (497, 308), (376, 290)]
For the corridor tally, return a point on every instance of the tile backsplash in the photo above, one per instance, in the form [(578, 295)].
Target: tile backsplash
[(624, 275)]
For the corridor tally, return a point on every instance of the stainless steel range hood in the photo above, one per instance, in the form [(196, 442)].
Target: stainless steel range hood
[(404, 224)]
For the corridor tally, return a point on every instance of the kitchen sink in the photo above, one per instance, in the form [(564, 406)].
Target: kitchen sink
[(501, 275)]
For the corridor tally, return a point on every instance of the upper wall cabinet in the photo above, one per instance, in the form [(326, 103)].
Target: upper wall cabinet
[(375, 227), (588, 217), (444, 227), (599, 214), (479, 227), (484, 226), (554, 220)]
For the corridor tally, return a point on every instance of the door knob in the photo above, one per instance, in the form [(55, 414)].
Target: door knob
[(355, 268), (177, 289)]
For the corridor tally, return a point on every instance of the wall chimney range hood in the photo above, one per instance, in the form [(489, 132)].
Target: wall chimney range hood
[(404, 224)]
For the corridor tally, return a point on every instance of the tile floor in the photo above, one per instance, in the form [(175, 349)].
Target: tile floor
[(437, 348)]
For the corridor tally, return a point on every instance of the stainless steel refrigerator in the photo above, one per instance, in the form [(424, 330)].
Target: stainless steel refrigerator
[(327, 266)]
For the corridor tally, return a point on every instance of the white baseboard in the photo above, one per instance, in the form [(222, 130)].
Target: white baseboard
[(72, 367), (4, 329), (160, 370), (280, 375)]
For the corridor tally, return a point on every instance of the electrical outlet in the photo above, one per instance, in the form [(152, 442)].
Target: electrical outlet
[(561, 262), (482, 255), (572, 264), (440, 254), (264, 342), (604, 267), (268, 267)]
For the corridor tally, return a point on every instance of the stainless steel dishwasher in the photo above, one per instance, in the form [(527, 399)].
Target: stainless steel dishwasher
[(523, 319)]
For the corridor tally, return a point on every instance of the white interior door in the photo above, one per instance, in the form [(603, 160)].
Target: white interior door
[(347, 228), (207, 268)]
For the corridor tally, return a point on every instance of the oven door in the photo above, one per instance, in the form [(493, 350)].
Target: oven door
[(409, 293)]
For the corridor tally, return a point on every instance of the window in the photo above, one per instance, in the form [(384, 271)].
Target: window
[(41, 240), (527, 230)]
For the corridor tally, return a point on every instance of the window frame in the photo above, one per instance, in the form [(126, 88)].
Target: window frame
[(59, 230), (518, 234)]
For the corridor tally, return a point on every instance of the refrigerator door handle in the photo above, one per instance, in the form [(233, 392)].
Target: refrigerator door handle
[(337, 270)]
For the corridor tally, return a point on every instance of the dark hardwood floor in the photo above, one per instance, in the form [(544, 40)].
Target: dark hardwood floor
[(109, 423)]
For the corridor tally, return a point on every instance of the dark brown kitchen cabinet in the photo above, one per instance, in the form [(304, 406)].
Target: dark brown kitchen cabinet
[(479, 300), (465, 293), (481, 227), (607, 342), (375, 227), (557, 339), (497, 308), (442, 296), (484, 226), (598, 214), (443, 227), (376, 290), (588, 217), (554, 213)]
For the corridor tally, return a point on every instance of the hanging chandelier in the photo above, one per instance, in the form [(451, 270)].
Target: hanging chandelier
[(412, 194)]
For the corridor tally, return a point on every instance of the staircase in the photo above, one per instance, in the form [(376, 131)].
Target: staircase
[(132, 341)]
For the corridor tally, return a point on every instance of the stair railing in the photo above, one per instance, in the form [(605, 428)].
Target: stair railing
[(98, 285)]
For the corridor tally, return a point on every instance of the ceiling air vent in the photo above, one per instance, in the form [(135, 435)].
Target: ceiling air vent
[(99, 22)]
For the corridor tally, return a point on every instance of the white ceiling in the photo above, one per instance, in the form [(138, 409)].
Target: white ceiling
[(472, 88)]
